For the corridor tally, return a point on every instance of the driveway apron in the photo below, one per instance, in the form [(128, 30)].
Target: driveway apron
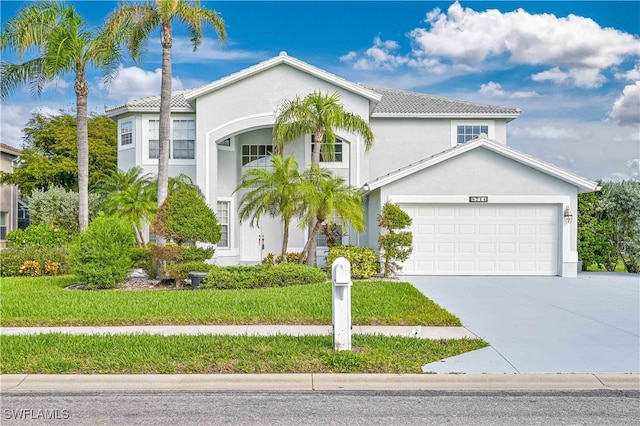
[(589, 324)]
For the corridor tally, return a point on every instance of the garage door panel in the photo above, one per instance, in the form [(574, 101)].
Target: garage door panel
[(485, 239)]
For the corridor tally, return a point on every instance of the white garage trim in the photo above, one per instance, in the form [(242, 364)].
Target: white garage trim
[(564, 261)]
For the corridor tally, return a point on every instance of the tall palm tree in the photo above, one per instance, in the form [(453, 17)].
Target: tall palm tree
[(319, 114), (140, 20), (130, 195), (63, 43), (326, 198), (274, 192)]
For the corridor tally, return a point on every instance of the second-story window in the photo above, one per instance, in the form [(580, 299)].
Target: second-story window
[(126, 133), (183, 139), (469, 132), (154, 138), (256, 155)]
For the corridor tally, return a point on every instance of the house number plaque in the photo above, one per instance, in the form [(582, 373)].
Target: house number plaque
[(479, 199)]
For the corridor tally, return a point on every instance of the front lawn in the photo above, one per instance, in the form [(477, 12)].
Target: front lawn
[(154, 354), (44, 301)]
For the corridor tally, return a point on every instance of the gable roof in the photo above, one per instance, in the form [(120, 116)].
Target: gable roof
[(401, 103), (583, 184), (283, 58)]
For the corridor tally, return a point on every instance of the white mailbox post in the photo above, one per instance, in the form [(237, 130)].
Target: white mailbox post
[(341, 304)]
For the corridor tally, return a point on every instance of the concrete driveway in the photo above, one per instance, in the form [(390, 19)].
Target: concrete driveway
[(589, 324)]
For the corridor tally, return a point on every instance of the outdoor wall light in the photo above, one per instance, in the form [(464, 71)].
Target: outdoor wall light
[(568, 216)]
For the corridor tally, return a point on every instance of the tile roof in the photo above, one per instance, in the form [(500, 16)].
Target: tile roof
[(177, 101), (404, 102), (10, 148)]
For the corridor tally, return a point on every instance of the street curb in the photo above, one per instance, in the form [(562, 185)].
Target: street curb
[(16, 383)]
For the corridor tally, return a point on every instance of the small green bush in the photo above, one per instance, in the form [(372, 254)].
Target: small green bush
[(397, 244), (101, 256), (272, 259), (364, 260), (12, 259), (180, 271), (261, 276), (184, 217), (194, 254), (38, 235), (142, 259)]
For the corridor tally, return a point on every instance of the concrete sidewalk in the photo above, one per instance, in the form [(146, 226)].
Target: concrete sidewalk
[(15, 383), (250, 330)]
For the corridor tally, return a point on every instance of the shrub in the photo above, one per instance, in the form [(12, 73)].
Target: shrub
[(272, 259), (38, 235), (194, 254), (101, 256), (261, 276), (31, 268), (180, 271), (56, 205), (12, 259), (168, 253), (364, 260), (396, 246), (184, 216), (142, 259)]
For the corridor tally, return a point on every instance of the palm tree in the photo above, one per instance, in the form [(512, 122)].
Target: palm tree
[(140, 20), (131, 196), (273, 192), (63, 44), (327, 198), (319, 114)]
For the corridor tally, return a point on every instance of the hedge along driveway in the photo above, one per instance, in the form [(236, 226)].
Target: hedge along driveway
[(44, 302)]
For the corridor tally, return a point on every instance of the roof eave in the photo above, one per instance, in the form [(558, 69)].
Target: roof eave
[(132, 109), (508, 116)]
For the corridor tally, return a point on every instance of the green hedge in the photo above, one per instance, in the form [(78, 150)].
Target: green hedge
[(12, 259), (364, 260), (180, 271), (261, 276)]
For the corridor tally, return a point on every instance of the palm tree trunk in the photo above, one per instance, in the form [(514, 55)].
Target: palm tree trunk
[(285, 239), (82, 93), (311, 244), (313, 247)]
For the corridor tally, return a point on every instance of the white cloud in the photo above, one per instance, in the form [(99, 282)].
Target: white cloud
[(580, 77), (134, 83), (626, 109), (493, 89), (631, 75), (461, 39), (14, 118), (380, 56)]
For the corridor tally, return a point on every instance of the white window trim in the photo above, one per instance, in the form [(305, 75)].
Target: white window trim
[(491, 124), (122, 121), (231, 250), (172, 161), (344, 164), (231, 147)]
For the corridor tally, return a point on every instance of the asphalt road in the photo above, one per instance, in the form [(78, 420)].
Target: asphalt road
[(602, 407)]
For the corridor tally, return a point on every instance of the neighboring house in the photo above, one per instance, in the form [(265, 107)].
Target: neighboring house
[(479, 207), (9, 156)]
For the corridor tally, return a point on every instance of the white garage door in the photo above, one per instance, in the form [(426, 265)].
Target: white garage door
[(483, 239)]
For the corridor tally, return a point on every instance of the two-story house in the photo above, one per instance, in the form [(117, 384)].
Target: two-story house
[(478, 206)]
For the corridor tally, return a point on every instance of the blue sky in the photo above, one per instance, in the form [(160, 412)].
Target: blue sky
[(572, 67)]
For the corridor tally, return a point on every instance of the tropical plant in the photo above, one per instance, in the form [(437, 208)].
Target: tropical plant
[(62, 43), (328, 198), (319, 114), (595, 233), (185, 217), (273, 192), (139, 21), (396, 244), (50, 153), (130, 195), (60, 207), (620, 204)]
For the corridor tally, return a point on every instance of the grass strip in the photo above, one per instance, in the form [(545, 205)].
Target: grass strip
[(56, 353), (44, 302)]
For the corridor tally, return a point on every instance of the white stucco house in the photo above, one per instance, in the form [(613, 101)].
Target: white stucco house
[(478, 206)]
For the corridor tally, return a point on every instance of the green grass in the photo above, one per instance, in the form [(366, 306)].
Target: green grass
[(155, 354), (43, 301)]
